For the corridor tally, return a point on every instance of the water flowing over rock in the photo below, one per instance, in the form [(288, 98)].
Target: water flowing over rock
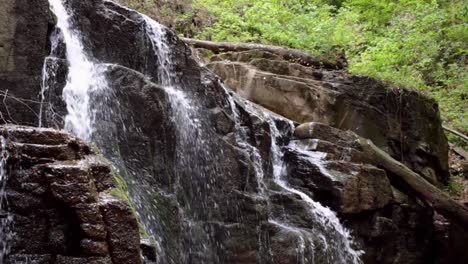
[(404, 123), (215, 178), (169, 126), (58, 200)]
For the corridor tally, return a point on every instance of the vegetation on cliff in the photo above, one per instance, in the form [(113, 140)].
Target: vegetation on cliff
[(412, 43)]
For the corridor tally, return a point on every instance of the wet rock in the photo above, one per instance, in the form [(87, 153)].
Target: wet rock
[(282, 239), (94, 247), (204, 182), (329, 164), (346, 187), (24, 27), (364, 105), (97, 232), (30, 258), (123, 235), (148, 250), (75, 260), (55, 206)]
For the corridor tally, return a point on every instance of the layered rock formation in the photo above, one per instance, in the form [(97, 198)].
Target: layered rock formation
[(211, 174), (404, 123), (59, 200), (386, 221)]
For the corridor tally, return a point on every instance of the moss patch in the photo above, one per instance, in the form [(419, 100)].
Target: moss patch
[(121, 192)]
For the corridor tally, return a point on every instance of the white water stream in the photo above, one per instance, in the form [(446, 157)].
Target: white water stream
[(6, 219), (337, 242), (86, 76), (339, 249)]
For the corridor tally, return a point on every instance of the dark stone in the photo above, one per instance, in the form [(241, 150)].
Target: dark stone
[(122, 230), (88, 213), (23, 47), (368, 107), (198, 189), (91, 247), (148, 250), (56, 218), (102, 177), (96, 232), (77, 260), (30, 259)]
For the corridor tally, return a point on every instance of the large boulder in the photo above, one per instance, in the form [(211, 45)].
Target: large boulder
[(404, 123), (60, 207)]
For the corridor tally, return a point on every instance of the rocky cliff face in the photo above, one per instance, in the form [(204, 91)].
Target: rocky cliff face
[(404, 123), (217, 179), (58, 202), (24, 27)]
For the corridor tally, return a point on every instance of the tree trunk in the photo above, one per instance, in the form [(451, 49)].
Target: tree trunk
[(295, 55), (440, 201)]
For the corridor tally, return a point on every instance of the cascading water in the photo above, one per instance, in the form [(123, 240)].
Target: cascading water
[(49, 69), (196, 154), (194, 150), (5, 217), (334, 239), (338, 246), (84, 76)]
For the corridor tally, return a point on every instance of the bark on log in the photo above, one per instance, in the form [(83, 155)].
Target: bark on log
[(440, 201), (459, 134), (295, 55)]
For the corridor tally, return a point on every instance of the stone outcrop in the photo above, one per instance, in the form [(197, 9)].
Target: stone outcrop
[(24, 29), (58, 194), (330, 164), (198, 190), (404, 123), (338, 171)]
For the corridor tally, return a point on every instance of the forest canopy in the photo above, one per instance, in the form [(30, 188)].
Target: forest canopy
[(418, 44)]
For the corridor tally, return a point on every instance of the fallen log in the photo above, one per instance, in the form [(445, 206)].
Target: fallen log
[(295, 55), (459, 134), (427, 192)]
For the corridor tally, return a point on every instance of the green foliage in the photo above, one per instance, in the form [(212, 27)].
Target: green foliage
[(420, 44), (454, 188)]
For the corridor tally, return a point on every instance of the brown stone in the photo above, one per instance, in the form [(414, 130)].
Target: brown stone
[(94, 247), (96, 232)]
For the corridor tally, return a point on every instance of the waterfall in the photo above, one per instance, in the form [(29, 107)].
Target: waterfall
[(334, 238), (194, 150), (338, 247), (84, 77), (196, 153), (49, 70), (5, 217)]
